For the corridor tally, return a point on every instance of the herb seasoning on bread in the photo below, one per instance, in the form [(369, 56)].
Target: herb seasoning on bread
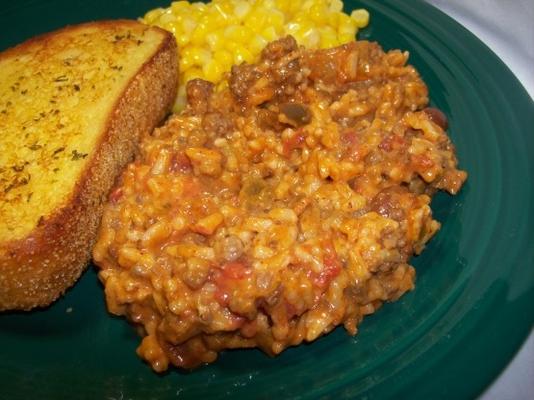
[(73, 105)]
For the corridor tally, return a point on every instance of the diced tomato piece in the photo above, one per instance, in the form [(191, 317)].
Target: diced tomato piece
[(180, 163), (291, 310), (237, 321), (331, 265), (392, 142), (295, 142), (352, 145), (332, 268), (249, 329), (422, 162), (349, 138), (222, 296), (226, 276), (191, 186), (116, 195), (235, 270)]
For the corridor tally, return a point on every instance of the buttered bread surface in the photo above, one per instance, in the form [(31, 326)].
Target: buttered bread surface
[(73, 106), (52, 108)]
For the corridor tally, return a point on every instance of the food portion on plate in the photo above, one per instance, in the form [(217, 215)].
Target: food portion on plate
[(273, 210), (284, 200), (73, 105), (214, 36)]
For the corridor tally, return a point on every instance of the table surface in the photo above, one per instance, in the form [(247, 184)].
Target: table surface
[(505, 27)]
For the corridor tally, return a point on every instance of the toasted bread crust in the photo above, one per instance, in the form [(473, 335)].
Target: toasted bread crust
[(36, 270)]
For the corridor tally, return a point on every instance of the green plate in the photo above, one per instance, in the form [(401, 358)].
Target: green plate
[(474, 301)]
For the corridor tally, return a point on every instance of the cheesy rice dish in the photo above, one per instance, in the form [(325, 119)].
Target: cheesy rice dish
[(266, 214)]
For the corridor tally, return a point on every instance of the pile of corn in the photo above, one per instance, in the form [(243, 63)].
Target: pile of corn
[(214, 36)]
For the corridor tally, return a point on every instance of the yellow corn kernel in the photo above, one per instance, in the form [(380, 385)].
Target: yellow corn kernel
[(317, 13), (222, 84), (257, 43), (214, 40), (256, 19), (215, 35), (199, 7), (219, 12), (213, 21), (172, 27), (344, 21), (212, 71), (188, 25), (153, 15), (361, 17), (240, 53), (292, 27), (346, 30), (294, 8), (165, 17), (182, 39), (185, 63), (269, 34), (275, 19), (181, 97), (223, 57), (283, 5), (300, 18), (199, 55), (241, 9), (332, 19), (178, 7), (192, 73), (237, 33), (328, 37), (198, 36), (310, 37), (346, 37), (335, 6), (268, 4)]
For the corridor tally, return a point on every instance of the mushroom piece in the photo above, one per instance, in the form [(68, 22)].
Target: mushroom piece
[(295, 114)]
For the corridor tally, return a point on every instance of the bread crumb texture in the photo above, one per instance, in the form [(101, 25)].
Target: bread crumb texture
[(46, 141)]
